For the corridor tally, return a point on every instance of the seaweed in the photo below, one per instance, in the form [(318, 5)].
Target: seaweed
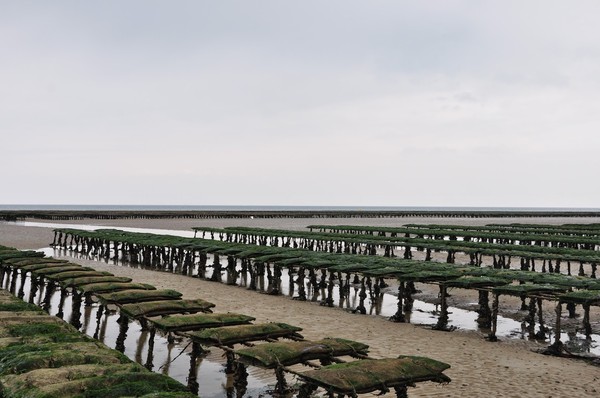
[(155, 308), (272, 355), (136, 296), (200, 321), (19, 306), (370, 375), (94, 381), (44, 357), (21, 358), (244, 333), (103, 286), (97, 280), (589, 297)]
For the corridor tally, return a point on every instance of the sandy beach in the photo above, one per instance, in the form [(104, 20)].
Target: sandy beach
[(508, 368)]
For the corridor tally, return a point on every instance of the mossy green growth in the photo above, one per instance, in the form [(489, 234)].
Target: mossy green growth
[(591, 297), (528, 288), (93, 285), (271, 355), (132, 385), (430, 276), (18, 306), (98, 279), (19, 254), (48, 358), (166, 307), (55, 270), (23, 358), (44, 332), (243, 333), (32, 261), (86, 381), (133, 296), (370, 375), (200, 321), (563, 280), (470, 282), (32, 329), (77, 274), (41, 264), (9, 303), (66, 381)]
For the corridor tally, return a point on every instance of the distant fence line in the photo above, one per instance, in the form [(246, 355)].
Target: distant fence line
[(15, 215)]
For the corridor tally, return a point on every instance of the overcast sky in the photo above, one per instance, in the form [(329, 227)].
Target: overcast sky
[(350, 103)]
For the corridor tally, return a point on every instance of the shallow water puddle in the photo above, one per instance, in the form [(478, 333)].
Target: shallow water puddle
[(88, 227)]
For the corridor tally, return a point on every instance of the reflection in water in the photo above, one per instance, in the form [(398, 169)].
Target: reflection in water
[(194, 370), (61, 303), (87, 316), (123, 323), (353, 294), (141, 342), (348, 293)]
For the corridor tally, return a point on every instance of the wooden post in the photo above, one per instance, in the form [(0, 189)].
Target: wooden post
[(252, 271), (149, 359), (531, 318), (240, 379), (50, 288), (399, 315), (362, 295), (401, 391), (34, 288), (301, 288), (485, 314), (123, 327), (98, 320), (22, 285), (541, 334), (61, 303), (442, 323), (2, 274), (492, 336), (229, 367), (281, 386), (276, 284), (329, 300), (557, 326), (306, 390), (586, 320), (556, 347), (408, 299), (13, 280), (193, 373), (231, 269), (75, 319)]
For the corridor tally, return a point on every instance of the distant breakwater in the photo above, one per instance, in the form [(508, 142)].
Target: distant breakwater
[(16, 215)]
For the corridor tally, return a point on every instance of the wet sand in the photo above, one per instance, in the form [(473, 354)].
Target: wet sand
[(479, 368)]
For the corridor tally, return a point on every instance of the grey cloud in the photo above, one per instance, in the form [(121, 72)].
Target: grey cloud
[(323, 98)]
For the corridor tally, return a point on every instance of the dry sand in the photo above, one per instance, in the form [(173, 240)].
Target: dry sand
[(479, 368)]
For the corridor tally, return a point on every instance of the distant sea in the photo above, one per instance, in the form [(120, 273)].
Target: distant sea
[(287, 208)]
